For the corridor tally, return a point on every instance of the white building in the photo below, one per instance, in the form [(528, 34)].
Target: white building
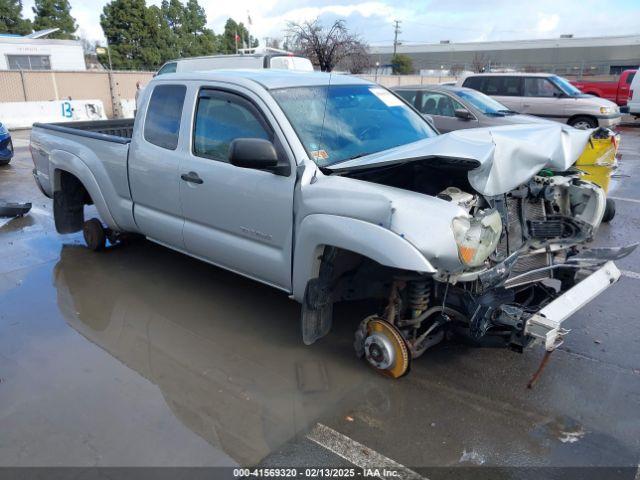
[(32, 52)]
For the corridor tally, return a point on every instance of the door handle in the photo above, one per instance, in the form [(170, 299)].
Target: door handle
[(191, 177)]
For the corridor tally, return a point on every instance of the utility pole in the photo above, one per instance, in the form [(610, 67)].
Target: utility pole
[(396, 32)]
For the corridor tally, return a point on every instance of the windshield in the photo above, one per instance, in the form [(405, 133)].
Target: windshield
[(342, 122), (482, 102), (564, 85)]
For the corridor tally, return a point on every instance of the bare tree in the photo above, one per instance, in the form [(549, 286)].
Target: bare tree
[(324, 46), (480, 62), (358, 61)]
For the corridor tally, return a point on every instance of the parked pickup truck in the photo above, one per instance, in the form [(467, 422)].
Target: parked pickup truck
[(332, 188), (615, 91)]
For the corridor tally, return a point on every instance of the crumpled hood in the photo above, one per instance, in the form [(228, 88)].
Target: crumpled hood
[(499, 158)]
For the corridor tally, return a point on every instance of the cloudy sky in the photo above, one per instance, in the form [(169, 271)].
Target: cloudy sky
[(422, 20)]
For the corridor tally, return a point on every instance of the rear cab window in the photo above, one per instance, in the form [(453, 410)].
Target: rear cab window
[(162, 121)]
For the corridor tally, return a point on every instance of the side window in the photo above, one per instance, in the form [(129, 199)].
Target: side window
[(630, 78), (511, 87), (502, 86), (221, 118), (162, 123), (539, 87), (438, 104), (492, 85), (408, 95), (168, 68), (473, 82)]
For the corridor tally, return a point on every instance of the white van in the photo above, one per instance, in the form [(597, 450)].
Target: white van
[(246, 58), (546, 95), (634, 97)]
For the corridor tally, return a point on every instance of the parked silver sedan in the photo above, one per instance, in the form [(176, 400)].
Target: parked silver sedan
[(453, 108)]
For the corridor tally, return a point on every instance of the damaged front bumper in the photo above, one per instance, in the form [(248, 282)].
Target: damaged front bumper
[(546, 324), (597, 268)]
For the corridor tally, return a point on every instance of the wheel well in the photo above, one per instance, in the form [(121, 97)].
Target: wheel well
[(356, 276), (69, 199), (72, 184), (575, 117), (341, 275)]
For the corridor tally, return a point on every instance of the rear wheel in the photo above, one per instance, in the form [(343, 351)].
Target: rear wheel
[(583, 123), (94, 234)]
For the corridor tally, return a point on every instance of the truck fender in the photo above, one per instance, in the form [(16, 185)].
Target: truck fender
[(60, 160), (372, 241)]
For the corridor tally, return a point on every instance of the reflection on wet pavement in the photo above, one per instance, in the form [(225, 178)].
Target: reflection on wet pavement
[(225, 352)]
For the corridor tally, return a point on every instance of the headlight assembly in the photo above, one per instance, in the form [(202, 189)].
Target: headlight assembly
[(477, 237), (606, 110)]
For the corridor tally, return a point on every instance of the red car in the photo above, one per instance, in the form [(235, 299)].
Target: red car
[(617, 92)]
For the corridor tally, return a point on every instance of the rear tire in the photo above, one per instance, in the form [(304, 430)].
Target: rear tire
[(583, 123), (609, 211), (94, 235)]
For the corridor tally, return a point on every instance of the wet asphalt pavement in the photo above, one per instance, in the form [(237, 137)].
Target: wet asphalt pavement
[(140, 356)]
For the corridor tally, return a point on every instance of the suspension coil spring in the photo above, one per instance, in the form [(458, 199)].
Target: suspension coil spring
[(418, 293)]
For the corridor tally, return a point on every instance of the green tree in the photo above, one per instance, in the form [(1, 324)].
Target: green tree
[(54, 14), (11, 20), (401, 64), (229, 40), (139, 36), (191, 37)]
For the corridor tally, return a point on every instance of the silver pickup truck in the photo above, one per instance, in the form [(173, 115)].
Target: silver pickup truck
[(331, 188)]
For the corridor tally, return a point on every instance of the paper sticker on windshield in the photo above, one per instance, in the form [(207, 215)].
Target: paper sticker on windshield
[(388, 98), (320, 154)]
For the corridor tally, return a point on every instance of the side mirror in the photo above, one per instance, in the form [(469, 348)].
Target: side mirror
[(463, 113), (257, 154)]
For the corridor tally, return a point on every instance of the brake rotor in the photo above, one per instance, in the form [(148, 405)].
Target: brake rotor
[(385, 349)]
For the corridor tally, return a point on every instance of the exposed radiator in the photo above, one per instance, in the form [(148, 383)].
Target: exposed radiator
[(527, 263)]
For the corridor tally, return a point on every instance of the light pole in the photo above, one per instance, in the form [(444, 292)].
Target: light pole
[(377, 65)]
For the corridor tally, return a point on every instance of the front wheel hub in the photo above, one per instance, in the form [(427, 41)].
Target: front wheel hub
[(379, 351), (385, 349)]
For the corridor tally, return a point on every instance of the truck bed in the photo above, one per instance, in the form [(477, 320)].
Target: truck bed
[(93, 154), (119, 131)]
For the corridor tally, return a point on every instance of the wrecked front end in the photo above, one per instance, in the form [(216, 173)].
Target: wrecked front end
[(524, 265), (541, 253)]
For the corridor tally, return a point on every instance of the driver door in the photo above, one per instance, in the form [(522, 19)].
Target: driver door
[(238, 218)]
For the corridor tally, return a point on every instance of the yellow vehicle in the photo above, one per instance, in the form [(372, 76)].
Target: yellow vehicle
[(598, 161)]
